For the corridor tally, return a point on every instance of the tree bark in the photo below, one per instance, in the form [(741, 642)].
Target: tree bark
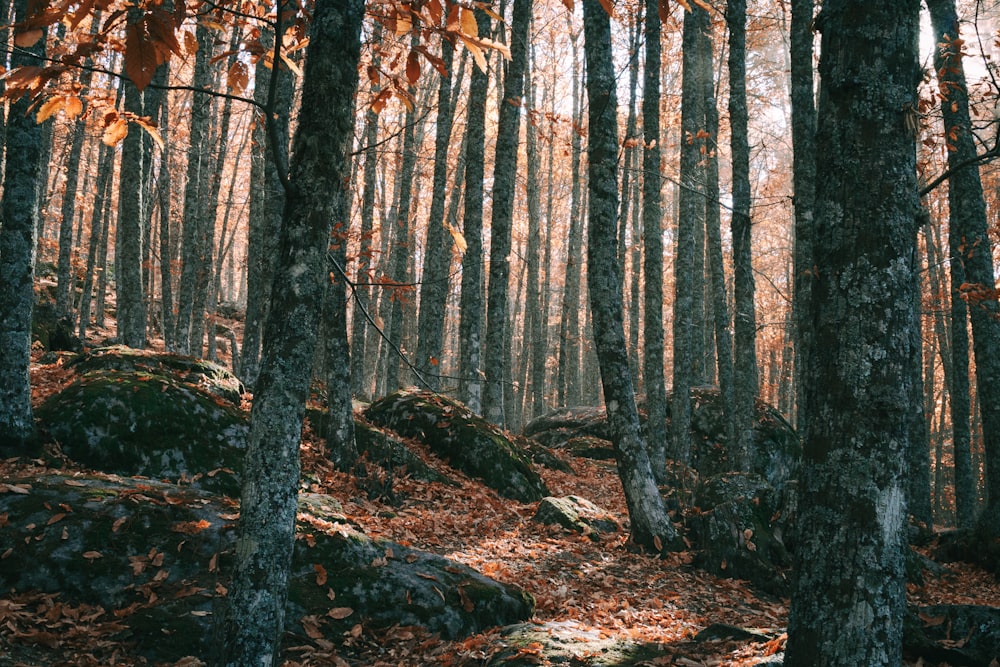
[(496, 359), (253, 623), (849, 587), (652, 239), (971, 246), (650, 525), (17, 254)]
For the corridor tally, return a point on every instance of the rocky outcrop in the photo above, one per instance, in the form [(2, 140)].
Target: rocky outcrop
[(464, 440), (163, 554)]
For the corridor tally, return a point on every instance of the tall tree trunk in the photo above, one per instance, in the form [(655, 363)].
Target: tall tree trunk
[(496, 359), (568, 378), (849, 590), (918, 493), (199, 214), (105, 175), (968, 229), (164, 180), (471, 322), (437, 249), (650, 526), (273, 87), (652, 240), (745, 382), (17, 254), (804, 185), (253, 623), (687, 283)]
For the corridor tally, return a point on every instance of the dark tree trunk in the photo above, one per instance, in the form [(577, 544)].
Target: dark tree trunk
[(971, 245), (105, 174), (652, 239), (437, 248), (804, 185), (849, 591), (253, 623), (273, 87), (471, 324), (687, 278), (745, 383), (650, 525), (17, 254), (497, 354)]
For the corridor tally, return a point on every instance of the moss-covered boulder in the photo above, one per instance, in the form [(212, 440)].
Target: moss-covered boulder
[(466, 441), (161, 554), (776, 452), (206, 375), (141, 423), (578, 514), (738, 528)]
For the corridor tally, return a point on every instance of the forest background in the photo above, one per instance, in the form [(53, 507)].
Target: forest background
[(158, 216)]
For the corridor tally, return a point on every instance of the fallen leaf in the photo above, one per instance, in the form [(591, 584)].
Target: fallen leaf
[(340, 613)]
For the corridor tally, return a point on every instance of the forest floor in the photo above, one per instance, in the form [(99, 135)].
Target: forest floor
[(598, 589)]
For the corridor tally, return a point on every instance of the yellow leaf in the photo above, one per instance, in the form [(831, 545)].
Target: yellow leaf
[(459, 239), (403, 23), (151, 130), (49, 109), (469, 25), (73, 106), (296, 70), (477, 53)]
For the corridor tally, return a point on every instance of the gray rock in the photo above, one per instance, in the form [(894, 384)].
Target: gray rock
[(577, 514)]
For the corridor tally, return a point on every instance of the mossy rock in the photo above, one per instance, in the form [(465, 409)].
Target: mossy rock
[(139, 423), (571, 643), (466, 441), (119, 542), (578, 514), (206, 375), (738, 529), (776, 453)]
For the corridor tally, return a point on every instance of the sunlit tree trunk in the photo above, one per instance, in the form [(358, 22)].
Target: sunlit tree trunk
[(971, 247), (650, 525), (17, 254), (496, 358), (849, 590), (652, 240), (253, 623)]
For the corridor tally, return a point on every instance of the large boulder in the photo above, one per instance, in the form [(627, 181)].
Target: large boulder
[(466, 441), (577, 514), (776, 451), (738, 523), (161, 554), (144, 422)]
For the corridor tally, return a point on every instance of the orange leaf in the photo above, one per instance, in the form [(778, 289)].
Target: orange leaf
[(608, 7), (92, 555), (320, 574), (115, 132), (469, 24), (55, 518), (140, 55), (340, 613), (412, 68), (238, 77), (26, 38), (49, 109)]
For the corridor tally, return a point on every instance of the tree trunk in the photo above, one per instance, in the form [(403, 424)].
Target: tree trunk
[(17, 254), (253, 623), (652, 239), (105, 174), (745, 383), (687, 283), (437, 248), (650, 525), (849, 590), (496, 359), (804, 185), (971, 244), (274, 87)]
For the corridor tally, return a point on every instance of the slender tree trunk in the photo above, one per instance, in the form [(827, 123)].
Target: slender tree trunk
[(968, 231), (687, 283), (437, 249), (848, 596), (652, 239), (253, 623), (17, 254), (918, 498), (497, 355), (275, 88), (745, 382), (804, 185), (650, 526)]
